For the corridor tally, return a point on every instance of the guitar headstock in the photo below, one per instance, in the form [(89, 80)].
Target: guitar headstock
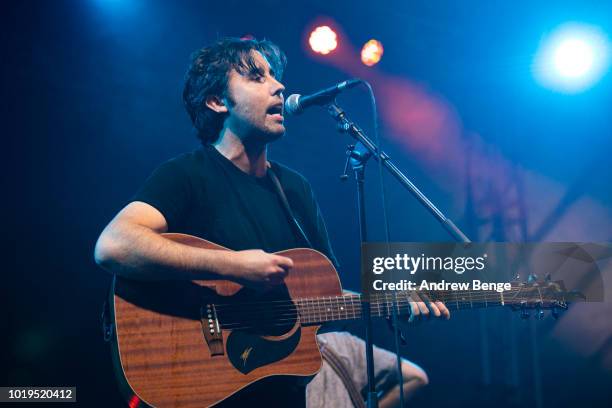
[(541, 295)]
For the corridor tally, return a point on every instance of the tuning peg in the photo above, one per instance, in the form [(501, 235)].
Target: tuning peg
[(532, 278), (540, 314), (524, 314), (555, 313), (548, 277)]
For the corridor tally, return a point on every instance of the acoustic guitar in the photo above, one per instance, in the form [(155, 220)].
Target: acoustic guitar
[(196, 343)]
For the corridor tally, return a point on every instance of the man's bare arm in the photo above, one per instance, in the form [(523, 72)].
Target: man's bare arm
[(414, 378), (132, 246)]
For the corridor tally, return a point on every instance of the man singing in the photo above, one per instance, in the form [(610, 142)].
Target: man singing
[(224, 192)]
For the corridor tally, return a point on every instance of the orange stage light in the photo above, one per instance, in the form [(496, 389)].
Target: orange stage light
[(323, 40), (371, 52)]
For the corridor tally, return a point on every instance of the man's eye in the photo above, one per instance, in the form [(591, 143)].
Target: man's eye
[(257, 77)]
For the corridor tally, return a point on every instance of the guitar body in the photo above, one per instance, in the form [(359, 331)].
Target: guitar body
[(196, 343)]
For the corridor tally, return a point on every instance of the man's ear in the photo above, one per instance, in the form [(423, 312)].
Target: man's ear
[(216, 104)]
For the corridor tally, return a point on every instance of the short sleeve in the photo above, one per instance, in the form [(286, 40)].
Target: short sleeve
[(168, 189)]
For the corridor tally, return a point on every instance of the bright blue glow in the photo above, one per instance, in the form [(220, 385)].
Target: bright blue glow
[(110, 3), (572, 58), (117, 5)]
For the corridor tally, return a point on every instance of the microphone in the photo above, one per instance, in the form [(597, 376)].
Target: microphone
[(296, 103)]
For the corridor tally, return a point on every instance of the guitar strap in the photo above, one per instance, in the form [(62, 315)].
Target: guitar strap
[(105, 318), (336, 364), (328, 354), (283, 197)]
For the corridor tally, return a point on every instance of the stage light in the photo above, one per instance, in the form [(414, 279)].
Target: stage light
[(371, 52), (323, 40), (572, 58)]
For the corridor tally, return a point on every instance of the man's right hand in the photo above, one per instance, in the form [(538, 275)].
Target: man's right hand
[(257, 268), (132, 246)]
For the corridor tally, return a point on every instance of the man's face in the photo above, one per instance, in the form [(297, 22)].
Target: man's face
[(256, 110)]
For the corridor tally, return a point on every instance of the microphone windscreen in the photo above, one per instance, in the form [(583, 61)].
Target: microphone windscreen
[(292, 105)]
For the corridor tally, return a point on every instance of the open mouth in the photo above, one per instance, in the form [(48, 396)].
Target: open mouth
[(276, 110)]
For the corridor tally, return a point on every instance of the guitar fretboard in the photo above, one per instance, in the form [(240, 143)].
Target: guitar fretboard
[(325, 309)]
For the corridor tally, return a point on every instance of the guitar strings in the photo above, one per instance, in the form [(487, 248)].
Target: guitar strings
[(309, 309), (315, 303), (356, 313), (326, 312), (312, 318), (462, 294), (320, 304)]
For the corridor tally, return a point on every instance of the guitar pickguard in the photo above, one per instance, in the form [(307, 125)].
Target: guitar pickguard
[(248, 351)]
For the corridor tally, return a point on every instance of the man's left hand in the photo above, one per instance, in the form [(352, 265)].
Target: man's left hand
[(421, 306)]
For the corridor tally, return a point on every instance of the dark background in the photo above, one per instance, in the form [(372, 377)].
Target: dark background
[(91, 105)]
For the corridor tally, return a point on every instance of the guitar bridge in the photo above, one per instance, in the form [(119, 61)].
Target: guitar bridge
[(211, 329)]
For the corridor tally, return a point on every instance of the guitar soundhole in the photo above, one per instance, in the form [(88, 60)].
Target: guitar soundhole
[(270, 313)]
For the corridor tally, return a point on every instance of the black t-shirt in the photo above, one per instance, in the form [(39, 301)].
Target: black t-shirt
[(202, 193)]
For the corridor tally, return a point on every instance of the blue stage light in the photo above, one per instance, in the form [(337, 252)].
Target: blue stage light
[(572, 58)]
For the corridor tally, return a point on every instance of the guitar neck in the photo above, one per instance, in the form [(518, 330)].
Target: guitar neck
[(334, 308)]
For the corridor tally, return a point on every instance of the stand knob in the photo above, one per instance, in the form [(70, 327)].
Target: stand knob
[(349, 153)]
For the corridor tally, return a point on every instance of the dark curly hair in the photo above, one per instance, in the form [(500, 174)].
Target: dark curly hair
[(209, 72)]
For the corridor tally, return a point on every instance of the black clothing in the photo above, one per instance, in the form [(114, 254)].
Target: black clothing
[(202, 193)]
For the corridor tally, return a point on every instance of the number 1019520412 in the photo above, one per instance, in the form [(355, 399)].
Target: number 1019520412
[(66, 394)]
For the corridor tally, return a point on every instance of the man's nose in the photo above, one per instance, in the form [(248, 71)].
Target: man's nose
[(278, 88)]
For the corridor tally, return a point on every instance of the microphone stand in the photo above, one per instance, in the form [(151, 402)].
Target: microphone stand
[(358, 159)]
